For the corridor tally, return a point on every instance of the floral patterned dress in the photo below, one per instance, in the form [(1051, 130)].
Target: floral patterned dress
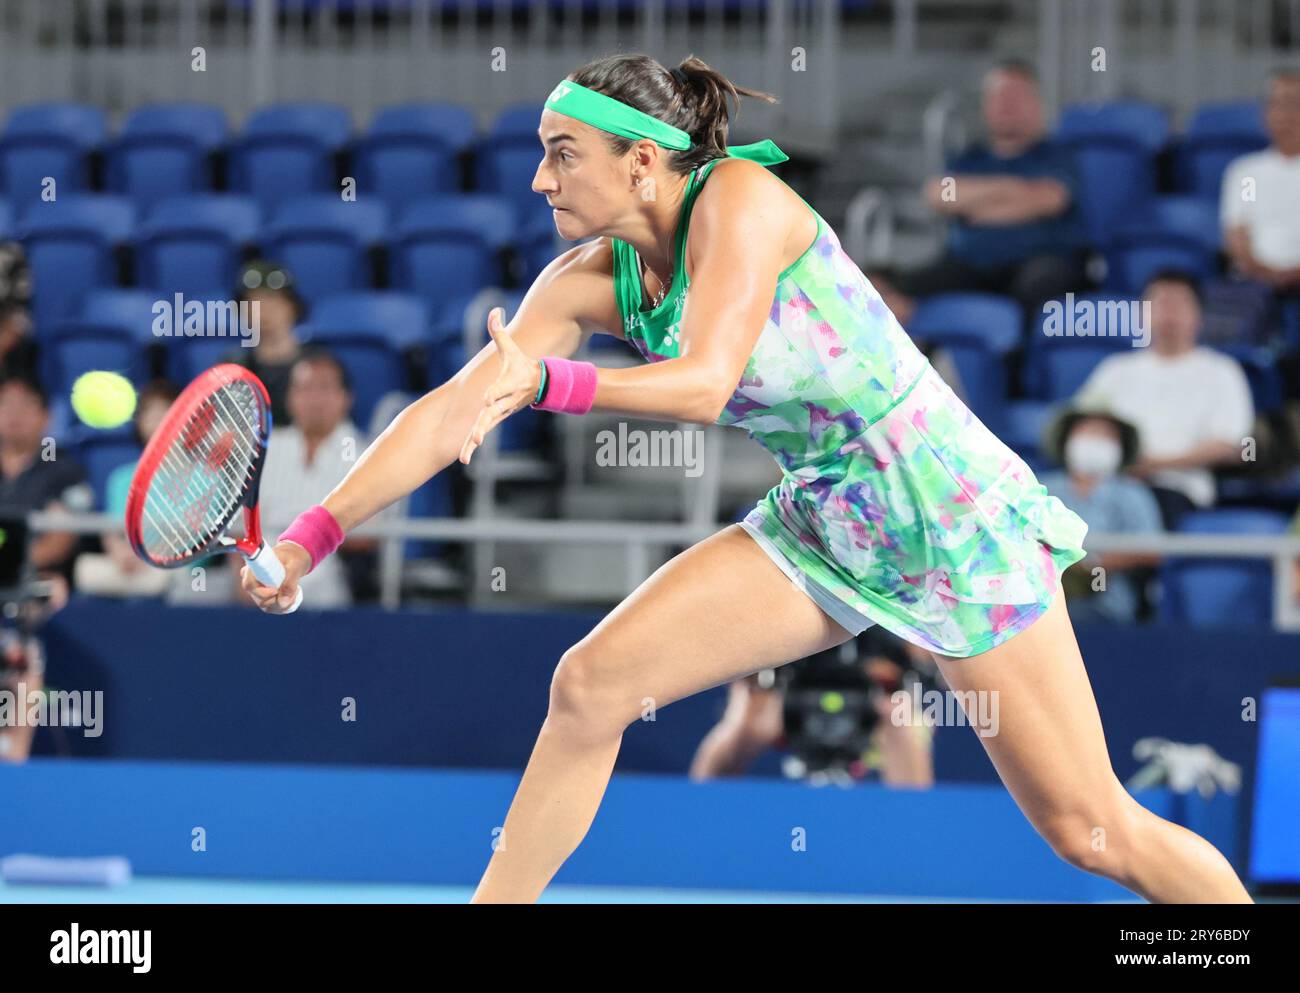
[(895, 500)]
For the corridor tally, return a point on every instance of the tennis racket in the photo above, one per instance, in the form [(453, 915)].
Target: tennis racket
[(199, 469)]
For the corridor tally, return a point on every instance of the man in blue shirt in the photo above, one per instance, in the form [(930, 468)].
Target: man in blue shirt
[(1015, 225), (1095, 446)]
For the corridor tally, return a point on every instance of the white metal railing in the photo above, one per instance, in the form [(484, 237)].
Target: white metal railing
[(641, 539), (1180, 53), (869, 227)]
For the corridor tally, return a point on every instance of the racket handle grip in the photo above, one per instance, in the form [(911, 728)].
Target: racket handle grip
[(269, 571)]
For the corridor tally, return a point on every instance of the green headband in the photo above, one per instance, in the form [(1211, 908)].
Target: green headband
[(604, 112)]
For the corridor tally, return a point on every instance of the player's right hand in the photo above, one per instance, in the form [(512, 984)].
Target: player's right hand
[(296, 562)]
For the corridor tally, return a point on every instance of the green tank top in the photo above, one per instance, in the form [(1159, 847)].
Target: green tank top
[(658, 325)]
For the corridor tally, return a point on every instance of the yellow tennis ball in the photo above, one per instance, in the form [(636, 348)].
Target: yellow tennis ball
[(103, 399)]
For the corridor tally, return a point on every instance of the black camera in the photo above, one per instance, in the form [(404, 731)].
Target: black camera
[(831, 700)]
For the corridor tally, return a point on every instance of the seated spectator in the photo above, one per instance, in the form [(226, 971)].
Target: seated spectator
[(279, 308), (35, 475), (1191, 406), (1016, 227), (119, 571), (17, 349), (1260, 202), (306, 460), (1094, 447)]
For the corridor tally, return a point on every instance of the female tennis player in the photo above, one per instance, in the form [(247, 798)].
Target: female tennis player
[(896, 507)]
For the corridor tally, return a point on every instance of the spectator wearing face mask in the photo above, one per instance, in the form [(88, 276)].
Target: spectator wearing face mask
[(1095, 446)]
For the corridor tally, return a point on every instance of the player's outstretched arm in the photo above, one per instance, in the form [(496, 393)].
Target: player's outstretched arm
[(569, 300)]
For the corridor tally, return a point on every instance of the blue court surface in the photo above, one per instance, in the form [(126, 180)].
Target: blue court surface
[(196, 832)]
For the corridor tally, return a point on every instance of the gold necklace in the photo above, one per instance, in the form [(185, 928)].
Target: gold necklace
[(663, 287)]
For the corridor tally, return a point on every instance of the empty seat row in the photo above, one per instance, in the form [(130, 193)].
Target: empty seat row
[(1115, 146), (284, 150), (445, 248), (379, 336)]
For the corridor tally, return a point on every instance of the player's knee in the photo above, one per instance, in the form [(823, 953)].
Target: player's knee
[(582, 689), (1073, 840), (1096, 839)]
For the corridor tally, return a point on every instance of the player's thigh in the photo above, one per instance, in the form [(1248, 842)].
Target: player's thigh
[(1046, 741), (719, 610)]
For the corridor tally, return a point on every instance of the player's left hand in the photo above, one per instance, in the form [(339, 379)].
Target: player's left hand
[(514, 388)]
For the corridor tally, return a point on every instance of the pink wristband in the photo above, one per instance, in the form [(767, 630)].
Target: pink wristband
[(570, 386), (316, 531)]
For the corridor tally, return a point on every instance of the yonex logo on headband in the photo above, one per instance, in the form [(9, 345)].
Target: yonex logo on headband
[(561, 90)]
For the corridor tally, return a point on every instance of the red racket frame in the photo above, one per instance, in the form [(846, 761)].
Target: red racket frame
[(173, 426)]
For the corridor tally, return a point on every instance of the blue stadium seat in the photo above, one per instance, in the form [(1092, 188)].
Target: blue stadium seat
[(370, 334), (51, 140), (1066, 366), (72, 347), (1209, 592), (1114, 175), (1142, 123), (1114, 146), (187, 357), (287, 150), (447, 249), (518, 120), (1291, 323), (165, 150), (1244, 117), (71, 247), (128, 310), (522, 431), (1023, 427), (980, 318), (1170, 232), (401, 319), (447, 354), (192, 244), (100, 452), (978, 330), (6, 219), (433, 499), (413, 150), (506, 161), (1057, 364), (537, 250), (1266, 388), (1217, 134), (325, 242)]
